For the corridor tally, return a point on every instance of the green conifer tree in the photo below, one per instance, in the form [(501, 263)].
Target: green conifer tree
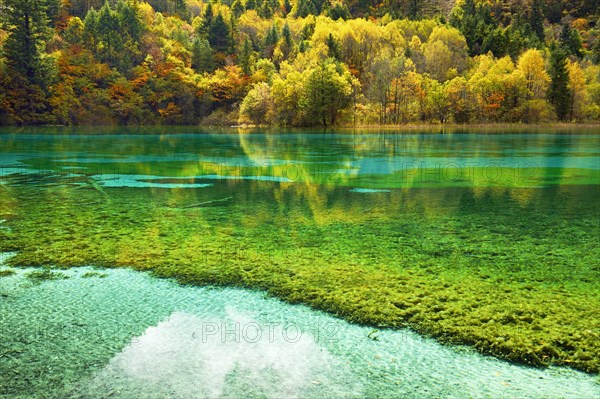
[(202, 56), (536, 19), (305, 8), (26, 22), (287, 6), (238, 8), (219, 35), (245, 57), (571, 40), (207, 20), (558, 93), (334, 48)]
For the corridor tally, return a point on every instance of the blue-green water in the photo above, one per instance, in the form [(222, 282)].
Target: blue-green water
[(364, 160), (133, 336), (490, 235)]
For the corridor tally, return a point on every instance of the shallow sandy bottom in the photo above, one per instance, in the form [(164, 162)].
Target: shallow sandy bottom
[(125, 334)]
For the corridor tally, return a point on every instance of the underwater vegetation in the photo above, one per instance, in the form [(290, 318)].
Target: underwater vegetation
[(6, 272), (45, 274), (512, 272), (94, 274)]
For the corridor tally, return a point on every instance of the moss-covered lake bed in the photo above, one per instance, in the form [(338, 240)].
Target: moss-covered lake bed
[(507, 266), (517, 282)]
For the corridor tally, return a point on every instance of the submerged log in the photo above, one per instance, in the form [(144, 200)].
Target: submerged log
[(206, 203)]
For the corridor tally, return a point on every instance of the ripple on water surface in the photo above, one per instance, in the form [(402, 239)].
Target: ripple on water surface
[(125, 334)]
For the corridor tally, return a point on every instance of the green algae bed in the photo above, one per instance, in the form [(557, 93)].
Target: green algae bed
[(509, 268)]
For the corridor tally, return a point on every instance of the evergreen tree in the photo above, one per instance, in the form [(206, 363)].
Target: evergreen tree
[(219, 35), (286, 34), (305, 8), (414, 9), (52, 9), (520, 36), (468, 21), (202, 56), (259, 4), (496, 42), (270, 41), (553, 10), (117, 35), (181, 9), (320, 6), (558, 93), (333, 47), (26, 22), (237, 8), (307, 31), (339, 10), (266, 11), (570, 40), (287, 6), (207, 20), (107, 33), (130, 32), (303, 46), (250, 4), (536, 18), (288, 41), (245, 57), (232, 33), (129, 21), (596, 49), (90, 30), (25, 78), (274, 5)]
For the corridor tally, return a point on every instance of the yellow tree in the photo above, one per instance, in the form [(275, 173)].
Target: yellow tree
[(446, 53), (457, 94), (592, 81), (438, 59), (493, 86), (287, 90), (257, 105), (531, 65), (409, 96), (577, 89)]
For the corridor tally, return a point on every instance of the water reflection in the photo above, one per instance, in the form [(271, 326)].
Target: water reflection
[(323, 177)]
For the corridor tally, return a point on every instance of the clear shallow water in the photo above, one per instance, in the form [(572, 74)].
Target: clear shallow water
[(129, 335), (518, 212)]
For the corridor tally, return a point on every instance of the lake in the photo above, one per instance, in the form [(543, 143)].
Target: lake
[(485, 240)]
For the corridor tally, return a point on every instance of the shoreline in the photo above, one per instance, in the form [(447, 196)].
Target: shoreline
[(291, 129)]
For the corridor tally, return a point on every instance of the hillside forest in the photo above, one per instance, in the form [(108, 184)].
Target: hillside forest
[(298, 62)]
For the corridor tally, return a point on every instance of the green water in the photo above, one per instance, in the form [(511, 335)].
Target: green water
[(488, 239)]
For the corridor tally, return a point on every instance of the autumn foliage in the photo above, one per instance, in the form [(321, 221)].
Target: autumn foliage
[(305, 62)]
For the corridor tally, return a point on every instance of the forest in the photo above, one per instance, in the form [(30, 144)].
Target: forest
[(298, 62)]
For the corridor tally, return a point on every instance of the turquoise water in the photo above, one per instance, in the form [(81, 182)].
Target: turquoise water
[(514, 215), (365, 160), (128, 335)]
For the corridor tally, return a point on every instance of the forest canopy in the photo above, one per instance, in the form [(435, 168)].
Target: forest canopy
[(298, 62)]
